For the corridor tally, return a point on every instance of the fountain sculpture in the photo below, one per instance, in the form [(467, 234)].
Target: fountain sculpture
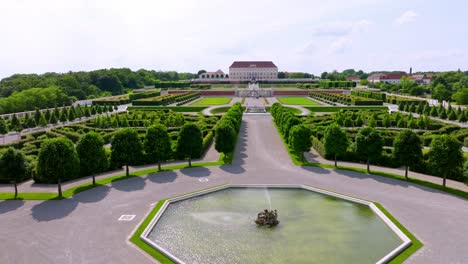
[(267, 218)]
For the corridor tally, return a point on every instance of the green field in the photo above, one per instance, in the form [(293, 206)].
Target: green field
[(295, 100), (338, 108), (213, 101)]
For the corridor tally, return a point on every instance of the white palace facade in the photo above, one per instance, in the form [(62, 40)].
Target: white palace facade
[(258, 70)]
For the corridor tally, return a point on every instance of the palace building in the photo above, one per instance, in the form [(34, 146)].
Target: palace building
[(256, 70)]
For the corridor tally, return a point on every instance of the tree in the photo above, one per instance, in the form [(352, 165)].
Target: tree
[(71, 114), (63, 115), (157, 144), (57, 161), (3, 126), (225, 137), (42, 121), (335, 141), (15, 124), (299, 139), (126, 148), (371, 122), (452, 115), (387, 121), (407, 149), (433, 112), (368, 144), (14, 167), (189, 142), (446, 156), (37, 116), (93, 159), (53, 118)]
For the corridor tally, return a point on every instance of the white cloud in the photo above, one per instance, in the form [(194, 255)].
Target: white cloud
[(406, 17)]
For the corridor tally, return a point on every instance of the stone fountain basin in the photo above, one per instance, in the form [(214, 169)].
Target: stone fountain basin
[(317, 226)]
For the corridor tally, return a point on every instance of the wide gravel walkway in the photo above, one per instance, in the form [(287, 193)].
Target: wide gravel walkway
[(85, 229)]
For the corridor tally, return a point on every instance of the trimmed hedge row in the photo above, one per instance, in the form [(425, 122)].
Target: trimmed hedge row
[(345, 99), (336, 84), (227, 130), (137, 96), (368, 94), (123, 99), (172, 84), (394, 99), (166, 99)]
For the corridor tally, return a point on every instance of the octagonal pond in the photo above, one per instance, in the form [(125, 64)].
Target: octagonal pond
[(219, 227)]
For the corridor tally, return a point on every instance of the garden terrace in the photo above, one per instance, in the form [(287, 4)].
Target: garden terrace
[(180, 98), (388, 126), (106, 126), (394, 99), (114, 100), (345, 99)]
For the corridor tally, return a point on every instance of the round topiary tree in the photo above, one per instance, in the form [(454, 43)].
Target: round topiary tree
[(446, 156), (189, 142), (369, 144), (57, 161), (299, 139), (14, 167), (407, 149), (126, 148), (157, 144), (92, 155), (225, 138), (335, 141)]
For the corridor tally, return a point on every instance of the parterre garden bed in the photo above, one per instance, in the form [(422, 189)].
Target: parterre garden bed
[(345, 99), (296, 100), (207, 101), (107, 125)]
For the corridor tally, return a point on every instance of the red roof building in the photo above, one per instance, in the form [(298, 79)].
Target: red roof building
[(253, 70), (393, 78)]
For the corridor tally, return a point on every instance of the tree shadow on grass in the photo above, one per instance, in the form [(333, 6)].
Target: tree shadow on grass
[(130, 184), (93, 195), (53, 209), (162, 177), (7, 206), (197, 172)]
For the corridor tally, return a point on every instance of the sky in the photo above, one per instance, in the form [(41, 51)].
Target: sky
[(297, 35)]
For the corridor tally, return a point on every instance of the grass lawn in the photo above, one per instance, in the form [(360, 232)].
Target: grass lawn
[(213, 101), (294, 100), (338, 108)]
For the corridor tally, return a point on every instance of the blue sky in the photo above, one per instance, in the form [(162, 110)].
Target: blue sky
[(298, 35)]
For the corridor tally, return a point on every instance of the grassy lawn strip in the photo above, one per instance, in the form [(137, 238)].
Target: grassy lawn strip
[(415, 243), (213, 101), (223, 159), (220, 110), (186, 109), (338, 108), (296, 100)]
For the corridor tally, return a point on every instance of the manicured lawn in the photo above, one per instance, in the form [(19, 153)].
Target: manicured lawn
[(338, 108), (294, 100), (213, 101)]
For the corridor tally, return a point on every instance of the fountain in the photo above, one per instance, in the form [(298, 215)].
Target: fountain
[(267, 218)]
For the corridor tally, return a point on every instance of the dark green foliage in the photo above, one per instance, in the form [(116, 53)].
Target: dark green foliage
[(227, 129), (53, 118), (442, 113), (3, 126), (63, 115), (93, 159), (446, 157), (407, 149), (14, 167), (434, 111), (189, 142), (126, 148), (37, 116), (57, 161), (452, 115), (157, 144), (335, 141), (42, 121), (369, 144), (299, 139)]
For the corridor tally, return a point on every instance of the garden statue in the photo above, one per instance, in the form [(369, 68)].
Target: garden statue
[(268, 218)]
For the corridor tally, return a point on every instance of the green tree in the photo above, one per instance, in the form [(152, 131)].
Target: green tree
[(371, 122), (15, 124), (434, 111), (57, 161), (443, 114), (335, 141), (446, 156), (407, 149), (53, 118), (158, 144), (14, 167), (126, 148), (452, 115), (71, 114), (3, 126), (37, 116), (42, 121), (189, 142), (225, 138), (369, 144), (299, 139), (387, 121), (63, 116), (92, 155)]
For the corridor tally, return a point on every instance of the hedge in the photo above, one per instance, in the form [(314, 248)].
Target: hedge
[(337, 84), (166, 99), (345, 99), (369, 94), (137, 96)]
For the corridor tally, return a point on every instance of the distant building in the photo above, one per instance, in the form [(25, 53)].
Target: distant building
[(423, 78), (248, 70), (392, 78), (354, 79), (219, 74)]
